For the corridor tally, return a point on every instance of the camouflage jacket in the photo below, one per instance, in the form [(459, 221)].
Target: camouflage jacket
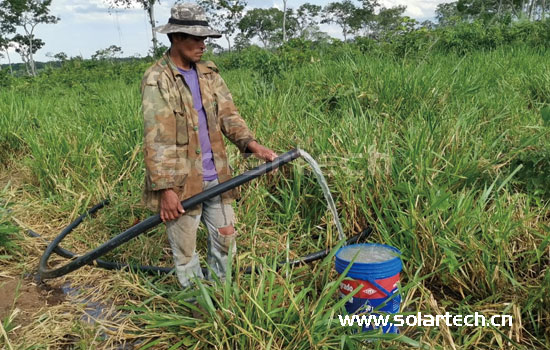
[(171, 138)]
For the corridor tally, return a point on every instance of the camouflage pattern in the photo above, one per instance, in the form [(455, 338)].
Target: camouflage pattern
[(188, 12), (171, 138)]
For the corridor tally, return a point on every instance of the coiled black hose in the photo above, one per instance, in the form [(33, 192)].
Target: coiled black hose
[(109, 265), (92, 256)]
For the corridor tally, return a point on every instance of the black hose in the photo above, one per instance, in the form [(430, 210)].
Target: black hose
[(320, 254), (109, 265), (136, 230)]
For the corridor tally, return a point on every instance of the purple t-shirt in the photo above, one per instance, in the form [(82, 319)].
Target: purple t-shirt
[(208, 168)]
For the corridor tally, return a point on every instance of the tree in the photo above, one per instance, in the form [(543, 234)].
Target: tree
[(427, 24), (108, 53), (7, 28), (161, 49), (369, 6), (148, 6), (290, 27), (388, 20), (447, 14), (3, 45), (61, 56), (284, 20), (406, 25), (224, 15), (266, 24), (25, 14), (241, 42), (488, 10), (214, 47), (307, 19), (473, 9), (22, 46), (365, 17), (344, 14)]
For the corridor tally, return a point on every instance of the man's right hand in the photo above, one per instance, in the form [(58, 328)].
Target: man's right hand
[(170, 206)]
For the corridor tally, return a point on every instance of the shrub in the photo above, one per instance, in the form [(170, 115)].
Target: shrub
[(6, 79), (8, 235)]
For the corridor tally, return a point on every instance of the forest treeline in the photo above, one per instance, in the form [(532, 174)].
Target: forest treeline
[(459, 26)]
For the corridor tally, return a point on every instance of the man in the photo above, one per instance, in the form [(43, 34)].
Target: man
[(187, 107)]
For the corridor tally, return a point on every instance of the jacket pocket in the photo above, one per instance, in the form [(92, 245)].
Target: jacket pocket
[(215, 108), (212, 115), (182, 137)]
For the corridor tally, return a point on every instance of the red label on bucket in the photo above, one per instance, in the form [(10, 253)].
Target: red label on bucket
[(369, 291)]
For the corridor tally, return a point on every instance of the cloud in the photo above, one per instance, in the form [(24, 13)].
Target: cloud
[(76, 6), (90, 11), (418, 9), (260, 4)]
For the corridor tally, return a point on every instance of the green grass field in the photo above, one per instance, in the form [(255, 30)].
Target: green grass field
[(446, 156)]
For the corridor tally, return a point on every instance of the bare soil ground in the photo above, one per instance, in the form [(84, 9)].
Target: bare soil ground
[(28, 297)]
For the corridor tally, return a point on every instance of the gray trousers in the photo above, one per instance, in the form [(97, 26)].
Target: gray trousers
[(182, 235)]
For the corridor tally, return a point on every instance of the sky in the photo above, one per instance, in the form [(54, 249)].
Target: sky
[(86, 26)]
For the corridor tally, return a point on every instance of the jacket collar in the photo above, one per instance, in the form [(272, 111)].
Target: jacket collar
[(201, 67), (170, 65)]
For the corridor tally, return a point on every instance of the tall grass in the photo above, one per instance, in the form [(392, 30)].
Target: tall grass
[(436, 152), (9, 233)]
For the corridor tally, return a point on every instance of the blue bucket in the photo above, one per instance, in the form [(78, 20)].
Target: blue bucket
[(376, 269)]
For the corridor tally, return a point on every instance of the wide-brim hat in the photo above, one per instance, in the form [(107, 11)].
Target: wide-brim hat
[(189, 19)]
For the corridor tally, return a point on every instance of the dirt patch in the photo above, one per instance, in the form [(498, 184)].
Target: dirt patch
[(27, 296)]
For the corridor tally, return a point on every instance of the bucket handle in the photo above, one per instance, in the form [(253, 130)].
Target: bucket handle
[(380, 288)]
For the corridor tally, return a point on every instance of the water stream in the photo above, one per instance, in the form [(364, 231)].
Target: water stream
[(93, 310), (100, 313), (324, 186)]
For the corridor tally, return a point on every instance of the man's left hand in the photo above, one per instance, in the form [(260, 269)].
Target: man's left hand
[(262, 152)]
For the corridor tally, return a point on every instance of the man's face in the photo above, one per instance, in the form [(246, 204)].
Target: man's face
[(190, 47)]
